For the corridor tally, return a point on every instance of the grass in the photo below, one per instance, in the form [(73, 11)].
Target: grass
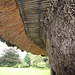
[(23, 71)]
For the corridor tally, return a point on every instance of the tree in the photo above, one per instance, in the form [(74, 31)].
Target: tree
[(61, 36), (10, 57), (36, 60), (27, 59)]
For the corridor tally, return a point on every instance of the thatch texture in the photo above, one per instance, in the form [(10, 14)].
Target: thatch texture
[(12, 27), (33, 12)]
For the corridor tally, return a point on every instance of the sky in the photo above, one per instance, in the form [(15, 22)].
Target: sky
[(4, 46)]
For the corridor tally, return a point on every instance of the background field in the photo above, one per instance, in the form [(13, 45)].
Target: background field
[(23, 71)]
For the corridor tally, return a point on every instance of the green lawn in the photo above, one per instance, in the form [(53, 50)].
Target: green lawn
[(23, 71)]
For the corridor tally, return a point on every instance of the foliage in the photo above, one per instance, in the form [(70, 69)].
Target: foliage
[(23, 65), (37, 59), (10, 58), (41, 65), (46, 60), (5, 65), (16, 66), (27, 59)]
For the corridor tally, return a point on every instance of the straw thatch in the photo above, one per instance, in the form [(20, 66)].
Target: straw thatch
[(32, 13), (12, 27)]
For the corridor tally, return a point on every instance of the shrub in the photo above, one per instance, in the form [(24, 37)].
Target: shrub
[(41, 65), (23, 65), (16, 66), (5, 65), (33, 64)]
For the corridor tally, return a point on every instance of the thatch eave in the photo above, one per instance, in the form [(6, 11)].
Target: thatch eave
[(12, 28)]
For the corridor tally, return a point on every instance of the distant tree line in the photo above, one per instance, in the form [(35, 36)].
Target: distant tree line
[(10, 58)]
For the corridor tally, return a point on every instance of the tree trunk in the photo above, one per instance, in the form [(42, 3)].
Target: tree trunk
[(60, 18)]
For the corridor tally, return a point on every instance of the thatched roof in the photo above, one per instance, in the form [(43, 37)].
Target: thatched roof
[(32, 13), (12, 25)]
